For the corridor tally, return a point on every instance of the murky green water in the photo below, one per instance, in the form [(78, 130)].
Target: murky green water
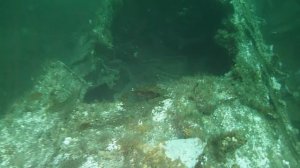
[(106, 78)]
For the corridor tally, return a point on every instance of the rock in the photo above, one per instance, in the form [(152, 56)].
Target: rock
[(185, 150)]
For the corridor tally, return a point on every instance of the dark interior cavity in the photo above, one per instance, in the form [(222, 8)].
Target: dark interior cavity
[(166, 39), (99, 93), (177, 35)]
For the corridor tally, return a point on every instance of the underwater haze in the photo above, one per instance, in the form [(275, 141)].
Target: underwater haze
[(149, 83), (33, 32)]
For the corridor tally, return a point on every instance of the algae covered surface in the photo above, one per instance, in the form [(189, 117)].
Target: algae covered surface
[(142, 84)]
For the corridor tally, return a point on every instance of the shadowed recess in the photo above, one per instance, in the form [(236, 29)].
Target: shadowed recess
[(179, 33)]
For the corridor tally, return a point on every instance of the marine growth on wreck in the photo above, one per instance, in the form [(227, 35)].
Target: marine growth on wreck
[(148, 84)]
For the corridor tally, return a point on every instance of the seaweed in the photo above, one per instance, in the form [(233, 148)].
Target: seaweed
[(226, 143)]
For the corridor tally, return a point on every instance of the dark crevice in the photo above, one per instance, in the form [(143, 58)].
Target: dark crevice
[(173, 32), (156, 40)]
